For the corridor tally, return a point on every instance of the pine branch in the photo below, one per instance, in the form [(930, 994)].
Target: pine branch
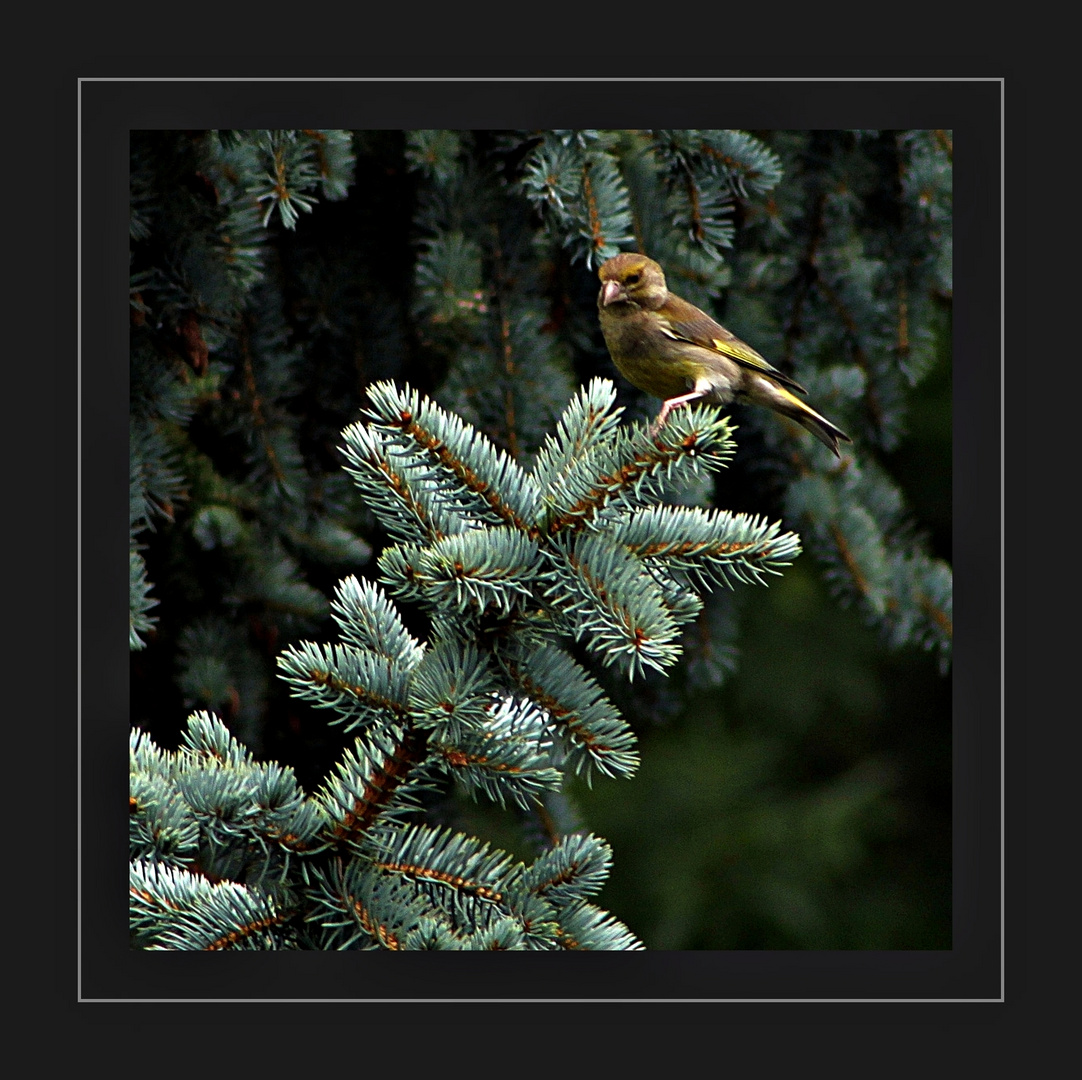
[(489, 707), (593, 733)]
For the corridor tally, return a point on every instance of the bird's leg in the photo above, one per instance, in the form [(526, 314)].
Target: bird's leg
[(673, 403)]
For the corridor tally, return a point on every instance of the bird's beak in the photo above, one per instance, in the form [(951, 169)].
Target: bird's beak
[(611, 291)]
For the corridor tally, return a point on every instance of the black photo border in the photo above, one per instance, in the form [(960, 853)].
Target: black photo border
[(109, 106)]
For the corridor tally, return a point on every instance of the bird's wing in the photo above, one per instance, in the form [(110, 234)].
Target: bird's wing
[(684, 322)]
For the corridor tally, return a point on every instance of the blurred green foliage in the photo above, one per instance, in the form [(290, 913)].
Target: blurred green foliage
[(806, 805)]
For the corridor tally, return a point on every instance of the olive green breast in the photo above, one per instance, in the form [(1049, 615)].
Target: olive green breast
[(635, 352), (663, 377)]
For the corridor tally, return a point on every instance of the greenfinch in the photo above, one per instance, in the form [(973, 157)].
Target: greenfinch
[(669, 348)]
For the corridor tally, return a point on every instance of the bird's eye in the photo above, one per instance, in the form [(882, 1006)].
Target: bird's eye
[(631, 279)]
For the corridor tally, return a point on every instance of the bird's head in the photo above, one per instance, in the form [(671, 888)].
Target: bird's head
[(632, 279)]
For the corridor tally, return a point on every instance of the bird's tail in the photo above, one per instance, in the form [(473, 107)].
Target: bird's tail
[(782, 401)]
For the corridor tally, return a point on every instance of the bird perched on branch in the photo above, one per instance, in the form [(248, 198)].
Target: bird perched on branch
[(669, 348)]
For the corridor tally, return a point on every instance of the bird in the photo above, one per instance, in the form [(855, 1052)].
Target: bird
[(667, 347)]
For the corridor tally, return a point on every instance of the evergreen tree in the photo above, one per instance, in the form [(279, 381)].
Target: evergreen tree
[(534, 569)]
